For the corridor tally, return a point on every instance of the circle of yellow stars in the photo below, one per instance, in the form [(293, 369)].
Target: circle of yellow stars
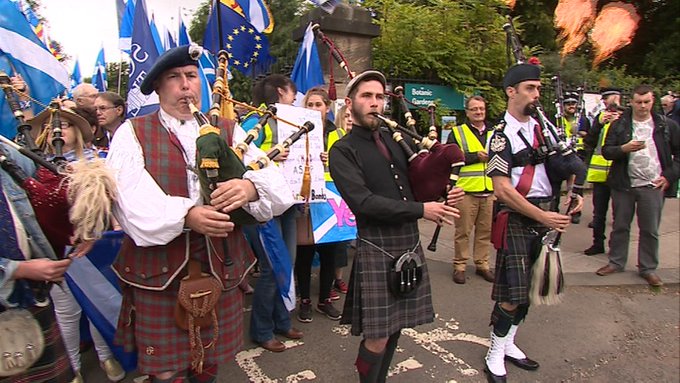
[(234, 35)]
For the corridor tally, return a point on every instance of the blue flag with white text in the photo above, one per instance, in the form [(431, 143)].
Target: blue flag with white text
[(307, 72), (22, 53), (248, 49), (144, 56), (99, 76)]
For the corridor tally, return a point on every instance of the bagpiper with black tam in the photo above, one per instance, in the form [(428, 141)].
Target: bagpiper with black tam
[(389, 286), (521, 185)]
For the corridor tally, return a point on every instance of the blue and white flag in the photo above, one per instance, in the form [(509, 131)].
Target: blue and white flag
[(332, 221), (99, 76), (96, 289), (248, 49), (23, 53), (326, 5), (257, 13), (307, 71), (183, 37), (156, 36), (169, 40), (125, 30), (280, 261), (143, 55), (76, 77)]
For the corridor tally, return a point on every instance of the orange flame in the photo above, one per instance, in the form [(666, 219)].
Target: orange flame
[(574, 18), (614, 28)]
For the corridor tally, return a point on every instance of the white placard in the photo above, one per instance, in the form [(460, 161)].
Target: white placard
[(294, 166)]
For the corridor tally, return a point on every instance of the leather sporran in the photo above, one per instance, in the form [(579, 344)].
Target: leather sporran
[(406, 275), (21, 341), (198, 295)]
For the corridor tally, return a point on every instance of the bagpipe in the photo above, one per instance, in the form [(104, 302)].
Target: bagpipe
[(561, 163)]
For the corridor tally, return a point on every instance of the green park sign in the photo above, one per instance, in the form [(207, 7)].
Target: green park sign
[(424, 94)]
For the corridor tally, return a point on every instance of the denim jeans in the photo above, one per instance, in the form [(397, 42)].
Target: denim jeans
[(269, 314), (288, 225)]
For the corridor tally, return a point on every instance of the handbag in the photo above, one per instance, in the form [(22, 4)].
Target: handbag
[(195, 310), (305, 234), (21, 341)]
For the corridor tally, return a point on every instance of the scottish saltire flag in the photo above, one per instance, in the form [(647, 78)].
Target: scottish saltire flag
[(332, 221), (183, 38), (307, 71), (145, 55), (96, 289), (280, 261), (99, 76), (169, 40), (326, 5), (76, 77), (257, 13), (23, 53), (248, 49), (125, 29), (156, 36)]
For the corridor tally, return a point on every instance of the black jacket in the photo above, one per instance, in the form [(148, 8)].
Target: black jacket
[(667, 139)]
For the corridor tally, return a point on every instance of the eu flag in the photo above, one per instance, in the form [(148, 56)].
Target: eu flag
[(248, 49)]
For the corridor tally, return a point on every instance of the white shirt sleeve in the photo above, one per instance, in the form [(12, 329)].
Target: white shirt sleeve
[(145, 212), (275, 196)]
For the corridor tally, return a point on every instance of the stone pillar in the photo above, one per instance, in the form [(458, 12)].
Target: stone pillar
[(351, 29)]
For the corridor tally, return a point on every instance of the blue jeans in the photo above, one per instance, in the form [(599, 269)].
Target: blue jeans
[(269, 314), (288, 225)]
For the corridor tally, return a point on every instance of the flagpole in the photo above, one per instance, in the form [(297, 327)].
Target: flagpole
[(120, 71), (219, 27)]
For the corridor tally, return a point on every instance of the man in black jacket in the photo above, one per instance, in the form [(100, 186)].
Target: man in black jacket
[(645, 151)]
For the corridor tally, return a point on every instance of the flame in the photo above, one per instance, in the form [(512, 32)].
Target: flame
[(574, 18), (614, 28)]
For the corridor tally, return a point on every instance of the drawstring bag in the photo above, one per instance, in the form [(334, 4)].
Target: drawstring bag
[(21, 341)]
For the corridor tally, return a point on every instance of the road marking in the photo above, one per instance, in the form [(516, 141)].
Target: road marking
[(246, 360)]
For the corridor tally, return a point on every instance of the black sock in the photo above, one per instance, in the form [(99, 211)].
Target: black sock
[(387, 358), (368, 364)]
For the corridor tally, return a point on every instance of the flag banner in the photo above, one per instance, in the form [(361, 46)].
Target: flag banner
[(293, 168), (248, 49), (307, 72), (332, 221), (156, 36), (95, 287), (99, 76), (279, 260), (76, 77), (183, 37), (257, 13), (125, 29), (170, 41), (23, 53), (120, 11), (143, 55), (327, 5)]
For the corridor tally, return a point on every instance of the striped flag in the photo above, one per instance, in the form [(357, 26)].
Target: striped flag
[(125, 29), (23, 53), (99, 76)]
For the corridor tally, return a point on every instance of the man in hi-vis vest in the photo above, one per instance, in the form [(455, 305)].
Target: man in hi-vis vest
[(477, 205), (598, 167)]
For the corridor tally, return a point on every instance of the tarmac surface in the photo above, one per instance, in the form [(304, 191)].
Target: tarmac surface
[(607, 329)]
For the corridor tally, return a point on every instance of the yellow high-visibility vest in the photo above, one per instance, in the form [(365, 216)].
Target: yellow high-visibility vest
[(568, 130), (333, 137), (269, 130), (598, 169), (473, 177)]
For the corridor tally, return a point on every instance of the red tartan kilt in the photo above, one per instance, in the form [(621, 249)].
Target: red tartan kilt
[(160, 344)]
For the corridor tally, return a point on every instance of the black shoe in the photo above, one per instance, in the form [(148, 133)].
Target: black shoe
[(525, 364), (491, 378), (305, 312), (326, 307), (594, 249)]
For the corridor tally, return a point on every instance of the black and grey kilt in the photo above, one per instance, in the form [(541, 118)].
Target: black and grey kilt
[(370, 307), (513, 265)]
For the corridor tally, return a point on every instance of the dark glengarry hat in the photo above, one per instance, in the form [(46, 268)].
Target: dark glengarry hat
[(172, 58), (521, 72), (570, 96), (365, 76), (604, 92)]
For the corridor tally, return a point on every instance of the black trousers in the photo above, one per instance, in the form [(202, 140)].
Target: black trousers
[(303, 268), (601, 195)]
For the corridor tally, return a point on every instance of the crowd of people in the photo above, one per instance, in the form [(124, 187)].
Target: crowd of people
[(180, 246)]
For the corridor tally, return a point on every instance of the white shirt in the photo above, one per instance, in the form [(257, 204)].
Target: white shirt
[(643, 165), (540, 185), (149, 215)]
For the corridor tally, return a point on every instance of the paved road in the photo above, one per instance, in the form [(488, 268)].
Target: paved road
[(608, 329)]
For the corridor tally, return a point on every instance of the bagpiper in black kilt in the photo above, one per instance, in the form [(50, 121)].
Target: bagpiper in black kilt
[(389, 285)]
